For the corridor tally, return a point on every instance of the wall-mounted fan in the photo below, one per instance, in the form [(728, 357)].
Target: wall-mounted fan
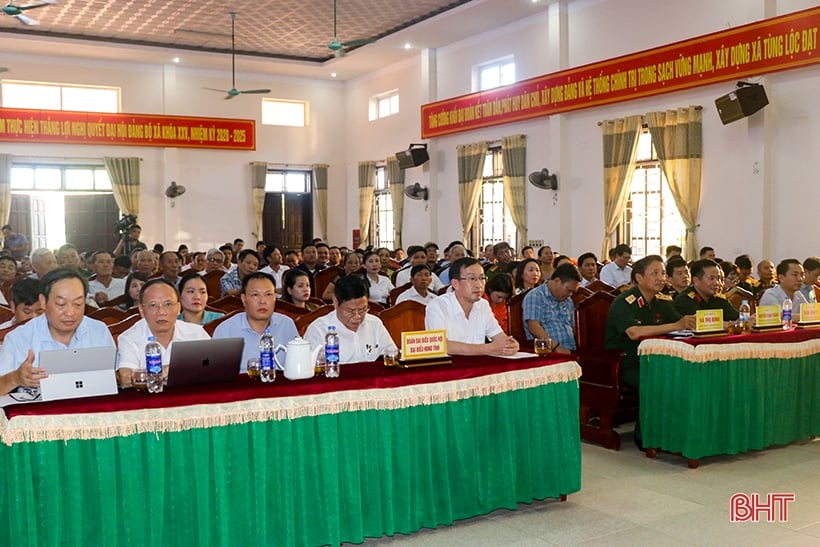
[(17, 11), (174, 190), (233, 92), (417, 191), (340, 48), (542, 179)]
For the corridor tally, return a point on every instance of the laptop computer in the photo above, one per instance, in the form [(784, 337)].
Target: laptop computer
[(205, 361), (80, 372)]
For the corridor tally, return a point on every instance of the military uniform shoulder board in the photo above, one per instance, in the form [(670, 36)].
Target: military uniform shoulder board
[(630, 299), (664, 297), (720, 295), (692, 294)]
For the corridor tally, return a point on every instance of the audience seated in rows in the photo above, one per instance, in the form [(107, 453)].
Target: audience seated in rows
[(420, 279)]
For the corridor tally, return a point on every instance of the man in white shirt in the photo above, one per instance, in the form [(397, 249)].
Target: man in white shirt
[(588, 266), (417, 255), (420, 277), (362, 336), (272, 256), (618, 273), (159, 307), (104, 286), (466, 316)]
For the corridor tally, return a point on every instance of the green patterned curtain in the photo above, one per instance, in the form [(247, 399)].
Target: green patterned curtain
[(470, 168), (678, 138), (620, 149), (259, 172), (514, 158), (125, 183), (367, 182), (395, 180), (320, 191)]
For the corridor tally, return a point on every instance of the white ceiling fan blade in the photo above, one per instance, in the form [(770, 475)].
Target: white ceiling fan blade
[(259, 91), (215, 89), (26, 20), (38, 4)]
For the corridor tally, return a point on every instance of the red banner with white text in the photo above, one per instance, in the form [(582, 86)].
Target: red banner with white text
[(59, 126), (780, 43)]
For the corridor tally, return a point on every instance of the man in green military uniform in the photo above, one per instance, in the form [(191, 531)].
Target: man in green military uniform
[(703, 293), (639, 312)]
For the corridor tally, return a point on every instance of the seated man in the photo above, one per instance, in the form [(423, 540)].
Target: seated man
[(67, 255), (122, 266), (145, 263), (169, 266), (704, 294), (466, 316), (104, 286), (420, 277), (672, 250), (42, 262), (766, 275), (213, 260), (159, 307), (790, 278), (272, 256), (417, 255), (25, 301), (62, 326), (588, 266), (549, 310), (247, 263), (310, 264), (677, 275), (362, 336), (707, 252), (618, 273), (503, 259), (456, 250), (811, 268), (259, 298)]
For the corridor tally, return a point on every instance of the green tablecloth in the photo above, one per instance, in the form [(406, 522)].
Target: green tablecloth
[(728, 398), (309, 481)]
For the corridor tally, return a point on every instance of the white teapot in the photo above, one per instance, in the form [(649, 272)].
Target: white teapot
[(301, 359)]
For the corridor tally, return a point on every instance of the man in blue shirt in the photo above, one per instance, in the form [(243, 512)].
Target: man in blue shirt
[(62, 326), (549, 311), (259, 298)]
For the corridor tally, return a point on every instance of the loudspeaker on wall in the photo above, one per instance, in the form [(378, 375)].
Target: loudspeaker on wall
[(743, 101), (412, 157)]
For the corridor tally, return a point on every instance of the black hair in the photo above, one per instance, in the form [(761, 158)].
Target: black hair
[(159, 248), (350, 287), (639, 268), (500, 282), (673, 263), (622, 249), (25, 291), (188, 277), (306, 245), (136, 275), (10, 259), (245, 252), (811, 263), (461, 264), (744, 262), (157, 281), (699, 266), (413, 249), (566, 272), (226, 247), (419, 267), (586, 256), (783, 265), (704, 250), (59, 274), (238, 240), (559, 258), (289, 280), (257, 275), (269, 250), (518, 279), (124, 261)]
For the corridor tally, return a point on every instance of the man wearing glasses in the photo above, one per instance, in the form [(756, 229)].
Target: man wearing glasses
[(466, 316), (259, 298), (62, 326), (213, 260), (362, 336), (159, 307)]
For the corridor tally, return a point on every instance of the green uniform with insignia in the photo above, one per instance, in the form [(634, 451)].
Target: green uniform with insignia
[(630, 309), (691, 301)]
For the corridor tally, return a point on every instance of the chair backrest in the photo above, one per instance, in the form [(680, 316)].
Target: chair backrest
[(210, 326), (374, 307), (303, 321), (323, 278), (227, 304), (109, 316), (212, 282), (292, 311), (118, 328), (582, 293), (114, 302), (405, 317), (599, 285), (5, 314), (590, 319), (737, 295), (516, 317), (394, 294)]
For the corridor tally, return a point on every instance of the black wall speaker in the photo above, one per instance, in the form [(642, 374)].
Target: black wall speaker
[(743, 101), (412, 157)]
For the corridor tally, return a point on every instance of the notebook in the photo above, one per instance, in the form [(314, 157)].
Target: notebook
[(205, 361), (80, 372)]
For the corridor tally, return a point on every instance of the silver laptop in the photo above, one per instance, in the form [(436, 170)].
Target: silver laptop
[(212, 361), (81, 372)]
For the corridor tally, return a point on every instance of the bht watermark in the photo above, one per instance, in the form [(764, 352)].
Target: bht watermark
[(750, 507)]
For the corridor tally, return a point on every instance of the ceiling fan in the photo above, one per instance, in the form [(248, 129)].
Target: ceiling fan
[(340, 48), (233, 92), (17, 11)]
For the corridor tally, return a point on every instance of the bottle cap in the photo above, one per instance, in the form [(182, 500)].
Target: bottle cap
[(152, 338)]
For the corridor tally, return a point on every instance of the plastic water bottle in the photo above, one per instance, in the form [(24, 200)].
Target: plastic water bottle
[(331, 352), (745, 315), (267, 372), (786, 313), (153, 364)]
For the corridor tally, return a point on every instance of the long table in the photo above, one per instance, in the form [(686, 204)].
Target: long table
[(707, 396), (310, 462)]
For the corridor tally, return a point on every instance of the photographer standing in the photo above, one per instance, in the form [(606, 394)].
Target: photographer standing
[(129, 241)]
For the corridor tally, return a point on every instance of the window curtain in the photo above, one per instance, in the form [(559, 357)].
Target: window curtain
[(678, 139), (320, 191), (395, 180), (367, 182), (5, 189), (259, 172), (470, 169), (620, 149), (125, 183), (514, 158)]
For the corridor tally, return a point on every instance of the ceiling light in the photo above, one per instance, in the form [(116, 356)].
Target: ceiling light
[(176, 59), (408, 45), (332, 74)]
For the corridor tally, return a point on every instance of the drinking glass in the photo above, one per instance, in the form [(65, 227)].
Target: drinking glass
[(542, 345), (254, 368), (391, 357), (139, 379)]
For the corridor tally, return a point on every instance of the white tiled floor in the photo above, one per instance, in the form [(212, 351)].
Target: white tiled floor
[(627, 499)]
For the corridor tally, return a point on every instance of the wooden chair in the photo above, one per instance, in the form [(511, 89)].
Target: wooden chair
[(374, 307), (600, 385), (118, 328), (286, 308), (114, 302), (5, 314), (323, 278), (109, 316), (599, 285), (227, 304), (5, 331), (737, 295), (405, 317), (580, 295), (210, 326), (394, 294), (516, 317), (5, 287), (303, 321), (212, 282)]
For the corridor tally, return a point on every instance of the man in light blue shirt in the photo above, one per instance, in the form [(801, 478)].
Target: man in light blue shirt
[(618, 273), (62, 326), (259, 298)]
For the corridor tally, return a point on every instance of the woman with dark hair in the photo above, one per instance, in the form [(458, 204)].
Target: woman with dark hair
[(193, 297), (296, 289), (527, 275), (351, 264), (133, 284), (380, 286), (497, 292)]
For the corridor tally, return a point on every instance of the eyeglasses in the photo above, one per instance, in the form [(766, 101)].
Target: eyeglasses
[(259, 295), (350, 314), (473, 278), (216, 260), (154, 307)]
